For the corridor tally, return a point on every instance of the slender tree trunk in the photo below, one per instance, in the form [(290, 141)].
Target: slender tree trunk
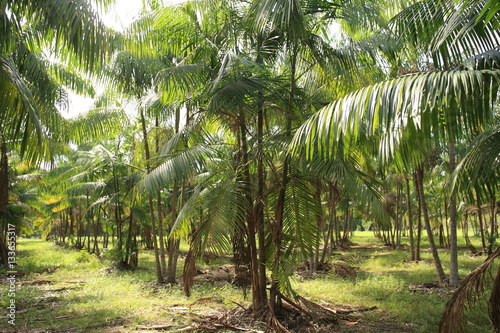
[(465, 229), (161, 236), (173, 244), (274, 298), (493, 215), (4, 199), (96, 232), (159, 275), (398, 219), (65, 221), (481, 223), (172, 248), (410, 218), (494, 211), (454, 279), (71, 224), (435, 255), (319, 222), (90, 222), (259, 204), (345, 236), (258, 290), (332, 211), (159, 207), (419, 219), (277, 238)]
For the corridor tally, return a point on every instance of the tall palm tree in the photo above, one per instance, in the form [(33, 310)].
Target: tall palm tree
[(477, 171), (225, 72), (31, 89), (407, 107)]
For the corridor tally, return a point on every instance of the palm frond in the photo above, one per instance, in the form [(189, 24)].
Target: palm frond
[(18, 103), (479, 169), (75, 26), (444, 33), (486, 60), (181, 82), (177, 166), (420, 101), (284, 15), (95, 124), (467, 296)]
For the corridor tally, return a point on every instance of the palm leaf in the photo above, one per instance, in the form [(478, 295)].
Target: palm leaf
[(443, 33), (95, 124), (479, 168), (281, 15), (75, 25), (467, 296), (179, 83), (418, 101), (178, 166), (18, 104)]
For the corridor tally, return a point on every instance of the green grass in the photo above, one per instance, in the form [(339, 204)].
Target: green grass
[(83, 296), (383, 280)]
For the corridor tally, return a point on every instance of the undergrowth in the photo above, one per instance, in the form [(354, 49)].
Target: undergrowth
[(63, 289)]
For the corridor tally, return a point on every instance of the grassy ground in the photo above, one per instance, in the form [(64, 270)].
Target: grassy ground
[(64, 290)]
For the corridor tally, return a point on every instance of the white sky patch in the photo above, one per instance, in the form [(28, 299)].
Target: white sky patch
[(122, 14)]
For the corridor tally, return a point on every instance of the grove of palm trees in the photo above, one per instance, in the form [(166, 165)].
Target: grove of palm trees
[(296, 150)]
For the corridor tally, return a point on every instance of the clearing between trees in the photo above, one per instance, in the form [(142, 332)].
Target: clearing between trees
[(367, 287)]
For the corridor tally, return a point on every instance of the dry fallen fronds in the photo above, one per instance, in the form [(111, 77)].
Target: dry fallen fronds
[(467, 295), (189, 272), (494, 304)]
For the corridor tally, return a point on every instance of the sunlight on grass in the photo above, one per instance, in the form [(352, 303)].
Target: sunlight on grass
[(383, 280), (80, 290)]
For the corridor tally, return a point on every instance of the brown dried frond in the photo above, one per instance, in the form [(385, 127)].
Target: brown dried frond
[(494, 304), (471, 289), (189, 272), (275, 324), (318, 312), (344, 270)]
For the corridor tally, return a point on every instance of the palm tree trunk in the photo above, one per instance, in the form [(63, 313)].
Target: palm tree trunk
[(277, 238), (480, 223), (454, 279), (258, 290), (172, 243), (425, 213), (159, 208), (159, 275), (259, 204), (410, 218), (465, 229), (96, 232), (4, 200), (274, 299), (161, 236), (493, 215), (494, 211), (319, 222), (419, 219)]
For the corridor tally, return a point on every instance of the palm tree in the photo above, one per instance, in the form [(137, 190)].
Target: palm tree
[(401, 108), (31, 85), (478, 170), (236, 88)]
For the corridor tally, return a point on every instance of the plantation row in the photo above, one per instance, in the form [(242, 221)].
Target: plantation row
[(265, 130)]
